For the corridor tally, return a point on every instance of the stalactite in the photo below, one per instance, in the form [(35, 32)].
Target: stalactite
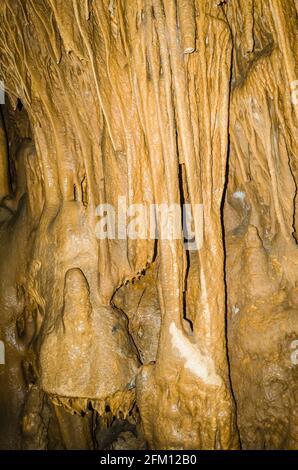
[(186, 15), (118, 341), (4, 171)]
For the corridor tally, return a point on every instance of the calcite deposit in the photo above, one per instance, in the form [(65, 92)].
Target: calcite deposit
[(135, 340)]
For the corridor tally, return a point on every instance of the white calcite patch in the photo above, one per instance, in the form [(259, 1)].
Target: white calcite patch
[(200, 365), (239, 195), (235, 309)]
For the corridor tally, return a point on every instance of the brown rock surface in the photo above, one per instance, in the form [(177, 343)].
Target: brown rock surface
[(136, 342)]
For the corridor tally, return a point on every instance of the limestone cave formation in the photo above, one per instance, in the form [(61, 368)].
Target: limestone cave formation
[(117, 342)]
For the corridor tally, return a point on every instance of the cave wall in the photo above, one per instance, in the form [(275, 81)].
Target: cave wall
[(139, 343)]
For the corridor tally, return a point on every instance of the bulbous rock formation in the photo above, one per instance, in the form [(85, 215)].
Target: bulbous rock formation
[(118, 342)]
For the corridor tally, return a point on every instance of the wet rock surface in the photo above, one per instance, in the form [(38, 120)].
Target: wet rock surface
[(135, 342)]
